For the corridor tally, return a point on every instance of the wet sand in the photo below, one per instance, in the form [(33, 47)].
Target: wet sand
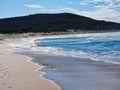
[(78, 74), (16, 73)]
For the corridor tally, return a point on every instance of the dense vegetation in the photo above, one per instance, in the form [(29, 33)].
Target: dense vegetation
[(53, 23)]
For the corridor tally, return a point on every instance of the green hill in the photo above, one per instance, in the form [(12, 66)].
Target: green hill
[(54, 23)]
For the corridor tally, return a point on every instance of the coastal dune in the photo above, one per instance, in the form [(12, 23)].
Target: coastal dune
[(16, 73)]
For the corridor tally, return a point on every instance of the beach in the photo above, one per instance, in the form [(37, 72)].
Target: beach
[(79, 74), (17, 73), (31, 70)]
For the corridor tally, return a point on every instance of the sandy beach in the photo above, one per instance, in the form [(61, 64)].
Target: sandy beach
[(66, 73), (16, 73)]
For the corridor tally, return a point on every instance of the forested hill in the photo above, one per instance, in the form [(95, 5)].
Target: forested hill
[(54, 23)]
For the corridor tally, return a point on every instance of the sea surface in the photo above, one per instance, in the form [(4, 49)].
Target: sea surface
[(61, 57), (98, 46)]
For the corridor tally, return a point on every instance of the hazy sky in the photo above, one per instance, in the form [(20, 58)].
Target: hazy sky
[(98, 9)]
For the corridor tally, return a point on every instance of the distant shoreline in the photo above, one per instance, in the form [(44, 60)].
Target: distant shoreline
[(31, 34)]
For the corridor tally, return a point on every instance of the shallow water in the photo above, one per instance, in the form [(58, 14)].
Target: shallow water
[(76, 74)]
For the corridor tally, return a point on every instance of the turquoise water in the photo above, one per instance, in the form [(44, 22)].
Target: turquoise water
[(98, 46)]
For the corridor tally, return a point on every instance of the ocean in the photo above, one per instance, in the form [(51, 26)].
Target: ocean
[(99, 47), (71, 60)]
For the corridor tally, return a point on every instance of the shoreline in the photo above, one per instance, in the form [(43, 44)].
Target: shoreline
[(27, 42), (79, 72), (17, 72), (43, 73), (104, 67), (41, 34)]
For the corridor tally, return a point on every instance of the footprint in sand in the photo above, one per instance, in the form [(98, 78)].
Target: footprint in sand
[(4, 83), (9, 87), (1, 76), (3, 72)]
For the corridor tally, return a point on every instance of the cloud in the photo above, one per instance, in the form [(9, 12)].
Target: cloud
[(55, 10), (103, 10), (104, 1), (34, 6), (113, 5), (86, 2), (63, 8), (100, 14)]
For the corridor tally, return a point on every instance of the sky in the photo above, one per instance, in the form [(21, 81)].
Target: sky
[(108, 10)]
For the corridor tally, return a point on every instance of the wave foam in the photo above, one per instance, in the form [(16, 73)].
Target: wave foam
[(30, 44)]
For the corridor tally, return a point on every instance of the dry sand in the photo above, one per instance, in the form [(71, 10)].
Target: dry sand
[(16, 73)]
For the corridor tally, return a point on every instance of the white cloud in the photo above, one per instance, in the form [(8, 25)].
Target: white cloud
[(34, 6), (100, 14), (55, 10), (112, 5), (63, 9), (105, 1), (103, 13), (109, 10), (86, 2)]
